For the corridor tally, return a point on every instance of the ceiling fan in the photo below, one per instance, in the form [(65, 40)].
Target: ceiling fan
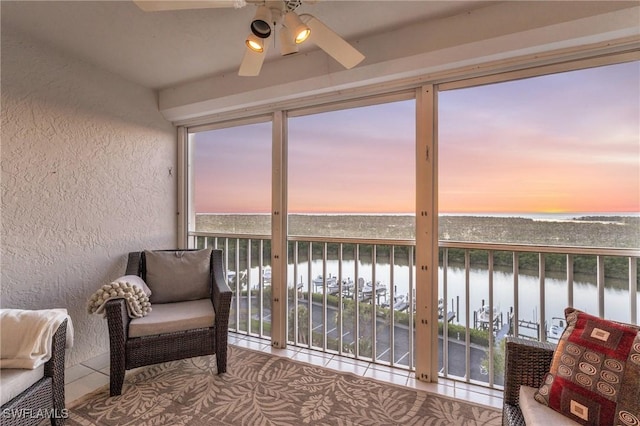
[(272, 16)]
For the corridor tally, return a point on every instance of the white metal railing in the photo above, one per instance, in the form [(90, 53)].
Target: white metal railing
[(246, 260), (355, 297), (346, 298)]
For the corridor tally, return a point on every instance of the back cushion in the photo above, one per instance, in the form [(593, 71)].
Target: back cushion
[(595, 372), (178, 276)]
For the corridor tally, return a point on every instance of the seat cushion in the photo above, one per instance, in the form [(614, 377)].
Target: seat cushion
[(535, 413), (595, 372), (14, 381), (177, 276), (172, 317)]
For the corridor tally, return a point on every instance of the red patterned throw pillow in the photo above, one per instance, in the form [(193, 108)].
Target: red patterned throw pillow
[(595, 372)]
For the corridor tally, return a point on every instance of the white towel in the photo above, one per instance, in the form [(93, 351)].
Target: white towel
[(131, 288), (26, 336)]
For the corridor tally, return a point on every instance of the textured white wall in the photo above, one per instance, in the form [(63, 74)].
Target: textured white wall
[(85, 159)]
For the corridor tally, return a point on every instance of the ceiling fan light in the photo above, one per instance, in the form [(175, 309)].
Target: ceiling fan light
[(255, 43), (288, 45), (298, 28), (261, 24)]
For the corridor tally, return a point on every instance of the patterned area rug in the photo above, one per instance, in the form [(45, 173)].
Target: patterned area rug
[(264, 389)]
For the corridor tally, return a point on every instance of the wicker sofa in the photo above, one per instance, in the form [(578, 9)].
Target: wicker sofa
[(128, 352), (45, 397), (526, 364)]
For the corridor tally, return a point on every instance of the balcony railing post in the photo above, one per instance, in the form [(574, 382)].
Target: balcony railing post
[(296, 292), (516, 294), (633, 289), (357, 302), (542, 280), (392, 303), (467, 296), (261, 285), (238, 284), (412, 304), (249, 295), (310, 296), (600, 284), (339, 325), (570, 279), (492, 319), (374, 297), (445, 312), (324, 297)]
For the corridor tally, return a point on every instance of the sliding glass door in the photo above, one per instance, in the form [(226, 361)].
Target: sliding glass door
[(231, 204), (351, 198)]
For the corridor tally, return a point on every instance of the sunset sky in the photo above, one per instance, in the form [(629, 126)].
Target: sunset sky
[(562, 143)]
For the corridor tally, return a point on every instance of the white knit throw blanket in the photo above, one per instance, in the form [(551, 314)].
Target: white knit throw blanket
[(125, 288)]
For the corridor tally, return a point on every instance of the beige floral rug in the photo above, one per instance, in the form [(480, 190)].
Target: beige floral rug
[(264, 389)]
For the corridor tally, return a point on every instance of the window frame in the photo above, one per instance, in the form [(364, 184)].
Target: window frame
[(425, 90)]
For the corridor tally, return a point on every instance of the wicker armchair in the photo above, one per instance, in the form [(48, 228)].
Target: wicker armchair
[(44, 396), (127, 353), (526, 364)]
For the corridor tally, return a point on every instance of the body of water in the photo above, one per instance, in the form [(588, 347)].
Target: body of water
[(616, 294)]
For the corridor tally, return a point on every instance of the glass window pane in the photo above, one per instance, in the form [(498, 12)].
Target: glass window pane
[(231, 172), (354, 171)]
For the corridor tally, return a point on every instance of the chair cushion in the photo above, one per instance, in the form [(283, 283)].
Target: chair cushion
[(595, 372), (172, 317), (535, 413), (177, 276), (14, 381)]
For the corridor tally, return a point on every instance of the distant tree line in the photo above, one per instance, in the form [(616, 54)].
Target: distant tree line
[(529, 263)]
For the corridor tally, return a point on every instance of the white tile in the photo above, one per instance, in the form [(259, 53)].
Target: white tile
[(478, 398), (288, 352), (249, 344), (74, 373), (387, 376), (437, 388), (395, 370), (233, 339), (476, 388), (84, 385), (317, 358), (339, 364), (99, 362), (258, 340)]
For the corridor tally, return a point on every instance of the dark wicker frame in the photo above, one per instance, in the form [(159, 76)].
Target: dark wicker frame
[(127, 353), (526, 363), (47, 394)]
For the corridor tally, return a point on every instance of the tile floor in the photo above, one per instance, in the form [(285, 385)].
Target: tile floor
[(94, 373)]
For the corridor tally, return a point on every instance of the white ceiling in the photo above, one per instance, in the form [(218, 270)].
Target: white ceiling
[(164, 49)]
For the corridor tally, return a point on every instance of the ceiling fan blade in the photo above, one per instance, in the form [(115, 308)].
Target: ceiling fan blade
[(160, 5), (329, 41), (252, 61)]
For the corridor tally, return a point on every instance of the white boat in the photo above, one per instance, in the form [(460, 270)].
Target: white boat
[(330, 282), (347, 287), (266, 275), (557, 328), (367, 289), (401, 303), (486, 320)]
